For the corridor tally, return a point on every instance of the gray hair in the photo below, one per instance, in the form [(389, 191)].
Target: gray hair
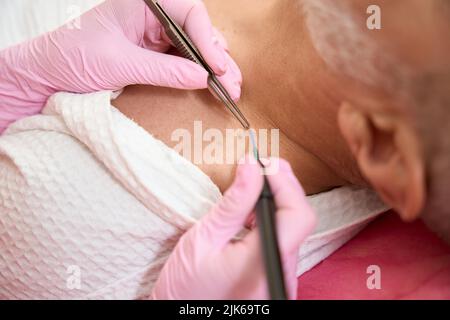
[(340, 40)]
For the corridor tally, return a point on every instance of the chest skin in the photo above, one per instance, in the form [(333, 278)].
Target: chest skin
[(165, 113)]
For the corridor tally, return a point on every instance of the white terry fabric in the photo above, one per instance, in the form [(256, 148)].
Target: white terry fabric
[(84, 188)]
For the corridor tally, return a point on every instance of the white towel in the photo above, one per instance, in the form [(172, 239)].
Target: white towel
[(88, 197)]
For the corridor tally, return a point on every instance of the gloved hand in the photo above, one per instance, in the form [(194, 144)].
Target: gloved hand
[(208, 264), (119, 43)]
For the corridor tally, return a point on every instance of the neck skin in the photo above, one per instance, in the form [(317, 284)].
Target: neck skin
[(268, 40)]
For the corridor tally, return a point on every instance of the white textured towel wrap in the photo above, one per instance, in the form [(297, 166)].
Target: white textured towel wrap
[(84, 188)]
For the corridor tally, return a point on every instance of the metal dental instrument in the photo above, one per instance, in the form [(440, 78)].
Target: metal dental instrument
[(187, 48), (265, 216)]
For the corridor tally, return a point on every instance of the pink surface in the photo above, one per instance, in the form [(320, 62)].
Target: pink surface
[(414, 264)]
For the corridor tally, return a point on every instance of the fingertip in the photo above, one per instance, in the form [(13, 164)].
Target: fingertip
[(232, 81), (236, 93), (244, 178), (249, 165), (218, 60), (214, 54), (248, 160), (276, 166), (202, 79)]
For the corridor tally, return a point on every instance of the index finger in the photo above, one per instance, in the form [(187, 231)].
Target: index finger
[(193, 17)]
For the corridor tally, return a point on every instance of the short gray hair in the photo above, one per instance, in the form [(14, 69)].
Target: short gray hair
[(342, 43)]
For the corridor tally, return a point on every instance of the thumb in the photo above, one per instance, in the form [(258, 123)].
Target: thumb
[(295, 219), (142, 66), (228, 217)]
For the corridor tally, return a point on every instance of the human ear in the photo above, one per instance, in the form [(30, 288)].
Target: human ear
[(389, 156)]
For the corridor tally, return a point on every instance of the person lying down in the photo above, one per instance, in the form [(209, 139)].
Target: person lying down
[(93, 186)]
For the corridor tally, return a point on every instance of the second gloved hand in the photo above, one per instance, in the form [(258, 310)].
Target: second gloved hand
[(208, 264)]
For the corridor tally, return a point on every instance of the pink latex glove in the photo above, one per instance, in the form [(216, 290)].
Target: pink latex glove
[(208, 264), (119, 43)]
